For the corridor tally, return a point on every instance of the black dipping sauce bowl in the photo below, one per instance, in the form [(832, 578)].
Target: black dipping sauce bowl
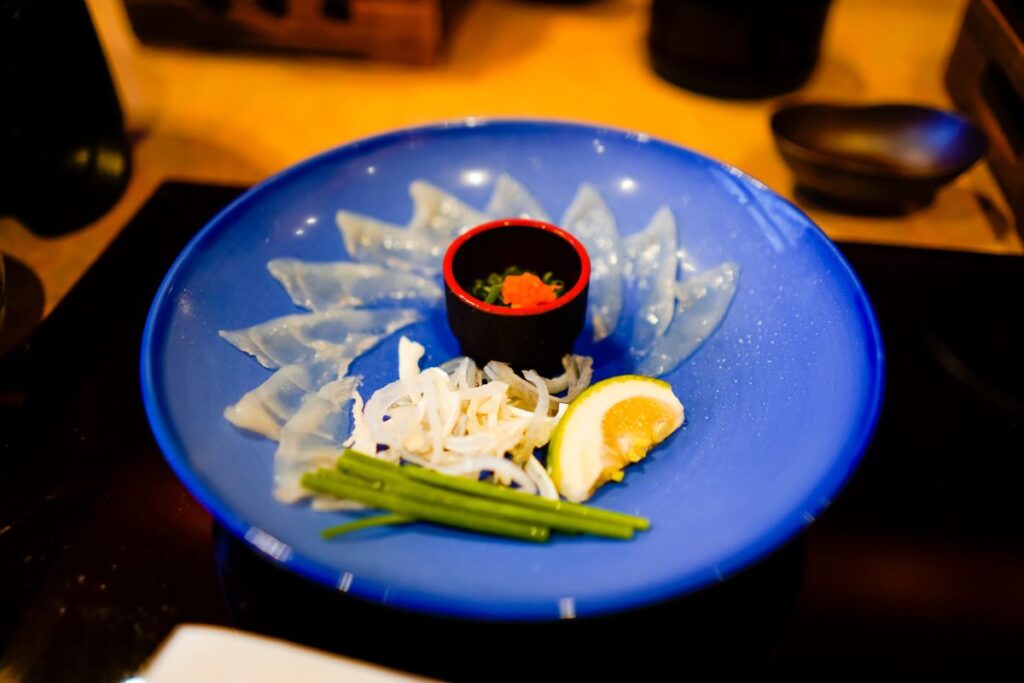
[(528, 338)]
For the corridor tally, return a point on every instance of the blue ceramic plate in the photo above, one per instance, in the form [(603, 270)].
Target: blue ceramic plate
[(781, 401)]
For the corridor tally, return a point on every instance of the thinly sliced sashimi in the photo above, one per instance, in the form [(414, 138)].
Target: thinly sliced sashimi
[(440, 214), (703, 301), (266, 409), (511, 200), (307, 337), (651, 267), (589, 218), (313, 437), (343, 284), (372, 241)]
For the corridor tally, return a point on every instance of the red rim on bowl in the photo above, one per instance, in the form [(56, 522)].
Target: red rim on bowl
[(462, 294)]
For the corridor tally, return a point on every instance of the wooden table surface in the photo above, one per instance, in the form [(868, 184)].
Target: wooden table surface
[(229, 118)]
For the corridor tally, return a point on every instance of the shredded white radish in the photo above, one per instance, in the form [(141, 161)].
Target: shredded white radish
[(537, 431), (473, 465), (409, 355), (361, 438), (459, 419), (539, 474)]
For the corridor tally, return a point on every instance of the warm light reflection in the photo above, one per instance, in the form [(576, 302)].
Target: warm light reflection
[(475, 177), (627, 184), (311, 220), (110, 162)]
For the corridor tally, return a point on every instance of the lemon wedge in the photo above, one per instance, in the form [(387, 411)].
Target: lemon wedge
[(610, 425)]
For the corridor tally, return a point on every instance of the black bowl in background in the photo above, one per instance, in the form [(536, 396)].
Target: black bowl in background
[(885, 159), (533, 338), (736, 48)]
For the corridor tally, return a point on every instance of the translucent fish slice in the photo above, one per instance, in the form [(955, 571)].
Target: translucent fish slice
[(306, 337), (341, 284), (439, 214), (371, 241), (511, 200), (313, 436), (266, 409), (589, 218), (703, 301), (651, 267)]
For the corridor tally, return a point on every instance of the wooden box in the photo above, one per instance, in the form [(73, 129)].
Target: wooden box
[(985, 78), (410, 31)]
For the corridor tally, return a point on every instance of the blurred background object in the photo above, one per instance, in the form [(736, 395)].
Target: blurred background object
[(985, 78), (21, 304), (64, 157), (886, 159), (736, 48), (3, 292), (409, 31)]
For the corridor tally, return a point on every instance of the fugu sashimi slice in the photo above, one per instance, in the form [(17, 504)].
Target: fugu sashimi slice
[(306, 337), (269, 406), (342, 284), (651, 266), (313, 437), (511, 200), (440, 214), (589, 218), (703, 301), (372, 241)]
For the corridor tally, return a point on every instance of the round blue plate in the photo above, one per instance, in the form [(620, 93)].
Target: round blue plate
[(780, 402)]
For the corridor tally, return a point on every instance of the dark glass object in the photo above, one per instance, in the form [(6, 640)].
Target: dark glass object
[(64, 157), (736, 48)]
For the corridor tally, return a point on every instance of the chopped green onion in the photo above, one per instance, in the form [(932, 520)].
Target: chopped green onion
[(489, 290), (390, 519)]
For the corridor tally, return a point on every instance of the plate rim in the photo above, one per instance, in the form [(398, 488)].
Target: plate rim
[(278, 551)]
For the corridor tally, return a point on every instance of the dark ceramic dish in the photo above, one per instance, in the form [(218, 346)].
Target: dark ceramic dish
[(534, 337), (889, 158)]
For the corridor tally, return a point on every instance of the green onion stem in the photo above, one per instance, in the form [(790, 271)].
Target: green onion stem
[(496, 492), (389, 519), (354, 489), (396, 481)]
